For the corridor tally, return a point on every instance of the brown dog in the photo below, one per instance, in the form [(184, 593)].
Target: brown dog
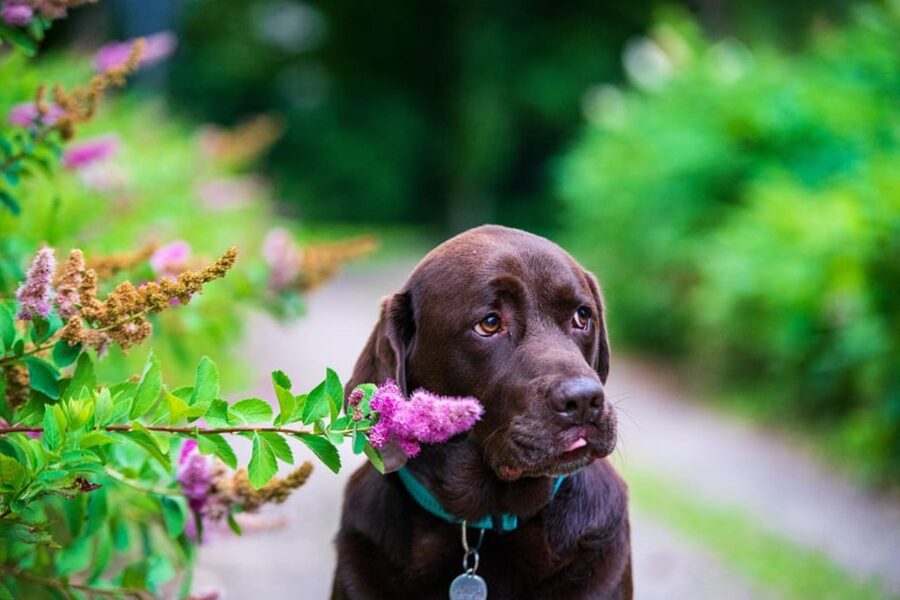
[(512, 319)]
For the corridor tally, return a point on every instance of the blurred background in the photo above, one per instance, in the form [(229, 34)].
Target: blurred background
[(729, 170)]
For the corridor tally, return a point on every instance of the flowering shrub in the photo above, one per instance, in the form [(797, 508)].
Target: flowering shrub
[(107, 478)]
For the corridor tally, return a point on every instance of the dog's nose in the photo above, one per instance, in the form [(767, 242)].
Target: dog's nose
[(578, 399)]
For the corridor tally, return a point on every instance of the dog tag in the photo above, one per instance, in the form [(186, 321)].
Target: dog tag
[(468, 586)]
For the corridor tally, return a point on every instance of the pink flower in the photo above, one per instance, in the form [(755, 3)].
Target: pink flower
[(34, 294), (171, 259), (425, 418), (26, 114), (194, 475), (228, 193), (159, 46), (90, 151), (17, 15), (282, 255)]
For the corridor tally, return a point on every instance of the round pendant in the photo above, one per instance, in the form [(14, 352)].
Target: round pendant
[(468, 587)]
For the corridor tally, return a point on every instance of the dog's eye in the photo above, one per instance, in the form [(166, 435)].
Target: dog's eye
[(582, 318), (489, 325)]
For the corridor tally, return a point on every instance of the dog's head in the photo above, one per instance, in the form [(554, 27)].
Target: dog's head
[(512, 319)]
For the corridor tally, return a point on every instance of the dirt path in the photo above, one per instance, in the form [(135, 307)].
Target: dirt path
[(723, 461)]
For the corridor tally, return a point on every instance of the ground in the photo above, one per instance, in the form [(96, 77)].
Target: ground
[(720, 509)]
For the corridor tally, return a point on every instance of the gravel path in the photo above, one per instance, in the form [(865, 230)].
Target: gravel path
[(291, 556)]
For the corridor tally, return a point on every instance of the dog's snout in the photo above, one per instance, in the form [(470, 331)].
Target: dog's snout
[(578, 399)]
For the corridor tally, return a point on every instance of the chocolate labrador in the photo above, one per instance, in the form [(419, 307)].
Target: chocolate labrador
[(512, 319)]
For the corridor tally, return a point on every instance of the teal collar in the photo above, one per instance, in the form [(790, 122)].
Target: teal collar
[(503, 523)]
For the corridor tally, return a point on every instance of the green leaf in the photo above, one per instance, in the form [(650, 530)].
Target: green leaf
[(177, 407), (143, 438), (54, 426), (12, 474), (97, 511), (95, 438), (75, 557), (280, 379), (214, 443), (359, 442), (262, 465), (7, 326), (323, 449), (43, 377), (64, 354), (82, 378), (335, 393), (279, 446), (316, 406), (42, 328), (286, 402), (148, 390), (235, 526), (217, 414), (374, 457), (4, 593), (103, 408), (206, 383), (174, 511), (10, 203), (252, 410)]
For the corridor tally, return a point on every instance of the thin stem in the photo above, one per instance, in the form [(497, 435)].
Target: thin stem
[(64, 587), (141, 488), (45, 346)]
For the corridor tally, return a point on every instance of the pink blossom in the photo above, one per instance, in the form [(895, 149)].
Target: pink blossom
[(26, 114), (17, 15), (90, 151), (231, 192), (171, 259), (158, 47), (282, 255), (35, 293), (425, 418), (194, 475)]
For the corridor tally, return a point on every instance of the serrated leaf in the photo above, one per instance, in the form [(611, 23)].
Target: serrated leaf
[(359, 442), (148, 390), (334, 391), (262, 465), (7, 326), (176, 406), (12, 474), (374, 457), (279, 446), (316, 405), (54, 426), (82, 378), (217, 414), (43, 377), (206, 383), (287, 403), (142, 437), (279, 378), (214, 443), (323, 449), (252, 410), (64, 354)]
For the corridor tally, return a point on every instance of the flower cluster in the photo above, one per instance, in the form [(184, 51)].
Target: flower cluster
[(35, 294), (425, 418), (242, 144), (108, 265), (90, 151), (213, 491), (306, 268)]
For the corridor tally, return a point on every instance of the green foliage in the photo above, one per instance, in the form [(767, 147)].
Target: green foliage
[(742, 207)]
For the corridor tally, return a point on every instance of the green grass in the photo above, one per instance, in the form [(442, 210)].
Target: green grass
[(772, 562)]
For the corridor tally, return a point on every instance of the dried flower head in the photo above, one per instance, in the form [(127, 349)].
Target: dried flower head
[(425, 418), (68, 282), (18, 389), (35, 293), (242, 144), (321, 261), (122, 317), (110, 265)]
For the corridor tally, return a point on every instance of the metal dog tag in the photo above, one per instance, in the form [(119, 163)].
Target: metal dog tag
[(468, 586)]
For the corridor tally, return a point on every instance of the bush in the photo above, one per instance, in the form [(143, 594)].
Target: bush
[(741, 207)]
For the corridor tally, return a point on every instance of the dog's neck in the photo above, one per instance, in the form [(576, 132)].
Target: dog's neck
[(466, 487)]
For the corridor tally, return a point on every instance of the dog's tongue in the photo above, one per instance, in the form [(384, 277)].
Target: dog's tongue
[(579, 443)]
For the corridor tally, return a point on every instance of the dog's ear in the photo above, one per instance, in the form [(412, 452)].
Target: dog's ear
[(601, 340), (384, 357)]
